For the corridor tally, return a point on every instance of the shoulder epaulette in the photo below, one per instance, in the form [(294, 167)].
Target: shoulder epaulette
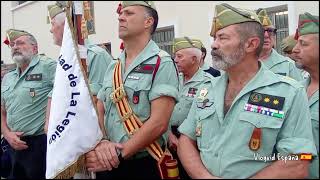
[(163, 53)]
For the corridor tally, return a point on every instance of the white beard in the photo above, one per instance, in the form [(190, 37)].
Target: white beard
[(21, 60)]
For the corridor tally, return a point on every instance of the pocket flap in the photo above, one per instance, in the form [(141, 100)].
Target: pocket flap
[(261, 121)]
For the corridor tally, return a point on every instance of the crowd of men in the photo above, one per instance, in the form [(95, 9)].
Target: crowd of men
[(239, 118)]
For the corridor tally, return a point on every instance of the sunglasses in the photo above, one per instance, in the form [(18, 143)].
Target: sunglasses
[(272, 31)]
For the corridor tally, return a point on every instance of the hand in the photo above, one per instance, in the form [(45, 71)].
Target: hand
[(13, 139), (92, 162), (173, 141), (107, 155)]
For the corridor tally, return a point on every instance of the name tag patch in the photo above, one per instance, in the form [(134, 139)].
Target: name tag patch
[(34, 77), (144, 68)]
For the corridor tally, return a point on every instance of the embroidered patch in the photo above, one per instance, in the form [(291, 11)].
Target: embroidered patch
[(144, 68), (34, 77), (264, 111), (266, 100)]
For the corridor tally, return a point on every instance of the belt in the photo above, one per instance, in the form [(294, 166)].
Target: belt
[(142, 154)]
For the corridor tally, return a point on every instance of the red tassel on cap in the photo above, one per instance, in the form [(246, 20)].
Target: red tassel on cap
[(122, 46), (119, 8), (6, 41)]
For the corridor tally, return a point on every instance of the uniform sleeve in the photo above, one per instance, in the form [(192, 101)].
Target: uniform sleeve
[(188, 127), (165, 82), (97, 68), (51, 71), (295, 136), (3, 89)]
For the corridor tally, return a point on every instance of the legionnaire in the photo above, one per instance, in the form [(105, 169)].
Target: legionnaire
[(187, 58), (287, 45), (243, 118), (98, 59), (149, 88), (204, 66), (24, 98), (271, 59), (307, 53)]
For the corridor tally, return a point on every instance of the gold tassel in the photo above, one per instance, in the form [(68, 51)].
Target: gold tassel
[(84, 29), (77, 167), (86, 9), (265, 21)]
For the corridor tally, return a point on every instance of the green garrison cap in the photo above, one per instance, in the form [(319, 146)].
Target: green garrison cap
[(55, 9), (149, 4), (186, 42), (226, 15), (308, 24), (13, 34), (264, 18), (288, 43)]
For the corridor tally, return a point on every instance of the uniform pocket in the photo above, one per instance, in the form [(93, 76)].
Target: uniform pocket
[(138, 94), (29, 91), (270, 127), (206, 127)]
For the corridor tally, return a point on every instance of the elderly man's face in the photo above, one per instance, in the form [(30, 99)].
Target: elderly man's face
[(307, 51), (183, 60), (269, 37), (132, 21), (57, 28), (227, 50), (22, 50)]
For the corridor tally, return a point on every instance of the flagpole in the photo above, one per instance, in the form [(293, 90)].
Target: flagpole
[(76, 34)]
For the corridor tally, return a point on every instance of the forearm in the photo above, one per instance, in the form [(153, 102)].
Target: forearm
[(146, 135), (101, 111), (4, 127), (284, 170), (46, 124), (153, 128), (190, 158)]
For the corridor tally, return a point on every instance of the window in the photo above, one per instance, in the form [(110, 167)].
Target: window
[(279, 18), (164, 37)]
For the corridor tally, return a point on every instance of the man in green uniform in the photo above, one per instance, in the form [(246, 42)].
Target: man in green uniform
[(243, 121), (307, 53), (271, 59), (187, 58), (97, 60), (24, 96), (151, 89)]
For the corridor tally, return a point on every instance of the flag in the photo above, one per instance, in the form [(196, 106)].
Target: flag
[(306, 157), (73, 123)]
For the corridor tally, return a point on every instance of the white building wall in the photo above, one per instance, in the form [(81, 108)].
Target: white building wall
[(189, 19)]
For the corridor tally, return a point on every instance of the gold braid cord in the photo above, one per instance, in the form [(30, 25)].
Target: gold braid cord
[(167, 166)]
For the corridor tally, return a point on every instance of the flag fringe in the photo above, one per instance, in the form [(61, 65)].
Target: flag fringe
[(77, 167)]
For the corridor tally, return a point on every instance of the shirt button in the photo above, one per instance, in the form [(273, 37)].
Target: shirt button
[(216, 155)]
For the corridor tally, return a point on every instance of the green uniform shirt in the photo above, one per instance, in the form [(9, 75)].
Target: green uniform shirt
[(223, 140), (314, 110), (99, 59), (138, 82), (25, 96), (282, 65), (187, 92)]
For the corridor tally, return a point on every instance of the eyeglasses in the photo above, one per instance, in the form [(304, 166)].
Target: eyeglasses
[(271, 31), (18, 43)]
